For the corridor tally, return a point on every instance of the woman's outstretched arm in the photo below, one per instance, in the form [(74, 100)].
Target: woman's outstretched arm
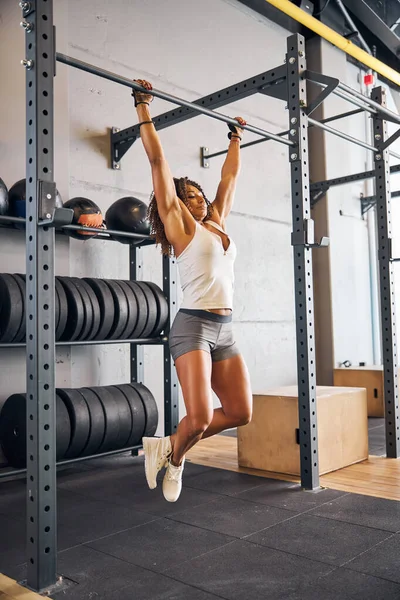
[(163, 183), (229, 174)]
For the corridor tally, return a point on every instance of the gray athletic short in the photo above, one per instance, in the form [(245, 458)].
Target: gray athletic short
[(202, 330)]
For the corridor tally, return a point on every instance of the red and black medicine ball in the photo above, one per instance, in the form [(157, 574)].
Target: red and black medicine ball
[(87, 214)]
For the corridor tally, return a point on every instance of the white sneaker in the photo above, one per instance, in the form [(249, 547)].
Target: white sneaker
[(156, 453), (172, 482)]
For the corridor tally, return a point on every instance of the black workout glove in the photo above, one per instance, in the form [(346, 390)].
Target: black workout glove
[(234, 131)]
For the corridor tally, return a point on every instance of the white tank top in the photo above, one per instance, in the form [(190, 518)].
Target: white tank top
[(206, 270)]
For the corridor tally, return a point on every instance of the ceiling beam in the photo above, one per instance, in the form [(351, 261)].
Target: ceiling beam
[(374, 23)]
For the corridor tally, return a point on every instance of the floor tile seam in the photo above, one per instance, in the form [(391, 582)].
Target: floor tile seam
[(147, 568), (152, 520), (196, 587), (315, 560), (64, 522), (221, 494), (265, 504), (185, 485), (328, 587), (350, 523), (290, 509), (236, 497), (233, 538), (84, 495), (171, 514), (60, 521), (189, 585), (396, 582), (293, 516), (111, 504), (185, 562), (365, 551)]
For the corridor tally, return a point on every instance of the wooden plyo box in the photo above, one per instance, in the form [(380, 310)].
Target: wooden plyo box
[(371, 378), (269, 441)]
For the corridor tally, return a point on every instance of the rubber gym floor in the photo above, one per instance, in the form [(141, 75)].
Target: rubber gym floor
[(230, 535)]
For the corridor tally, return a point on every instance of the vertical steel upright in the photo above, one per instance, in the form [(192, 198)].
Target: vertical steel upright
[(40, 346), (137, 351), (302, 238), (171, 387), (387, 298)]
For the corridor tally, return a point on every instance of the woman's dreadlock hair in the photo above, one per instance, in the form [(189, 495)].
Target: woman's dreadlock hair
[(157, 227)]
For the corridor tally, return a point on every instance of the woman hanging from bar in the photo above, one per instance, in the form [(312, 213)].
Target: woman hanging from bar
[(201, 339)]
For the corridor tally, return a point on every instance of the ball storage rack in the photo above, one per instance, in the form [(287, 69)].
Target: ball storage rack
[(42, 219)]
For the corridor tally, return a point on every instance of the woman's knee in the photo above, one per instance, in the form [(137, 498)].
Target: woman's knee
[(245, 418), (197, 424), (240, 417)]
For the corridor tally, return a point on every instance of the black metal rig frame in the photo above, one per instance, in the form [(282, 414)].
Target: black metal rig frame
[(287, 82)]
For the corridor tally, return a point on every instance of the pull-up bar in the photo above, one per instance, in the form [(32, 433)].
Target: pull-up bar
[(341, 135), (205, 156), (83, 66), (390, 115)]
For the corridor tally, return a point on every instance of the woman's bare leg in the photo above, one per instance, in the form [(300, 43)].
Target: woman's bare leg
[(229, 380)]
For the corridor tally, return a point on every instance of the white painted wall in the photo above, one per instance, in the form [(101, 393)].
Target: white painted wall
[(186, 49)]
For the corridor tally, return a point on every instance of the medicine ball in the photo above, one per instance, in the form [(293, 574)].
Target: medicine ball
[(3, 198), (128, 214), (87, 214), (17, 200)]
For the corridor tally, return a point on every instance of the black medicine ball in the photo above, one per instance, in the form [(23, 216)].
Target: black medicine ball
[(87, 214), (3, 198), (17, 200), (130, 215)]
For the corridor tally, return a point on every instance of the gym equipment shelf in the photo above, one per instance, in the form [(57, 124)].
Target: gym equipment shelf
[(145, 341), (102, 233), (41, 221), (285, 82)]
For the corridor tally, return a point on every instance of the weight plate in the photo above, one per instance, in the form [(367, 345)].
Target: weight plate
[(142, 310), (120, 310), (56, 307), (76, 311), (162, 308), (132, 309), (80, 420), (10, 308), (151, 309), (13, 430), (62, 321), (138, 413), (106, 302), (96, 310), (63, 428), (97, 421), (125, 415), (111, 416), (20, 336), (87, 307), (150, 408)]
